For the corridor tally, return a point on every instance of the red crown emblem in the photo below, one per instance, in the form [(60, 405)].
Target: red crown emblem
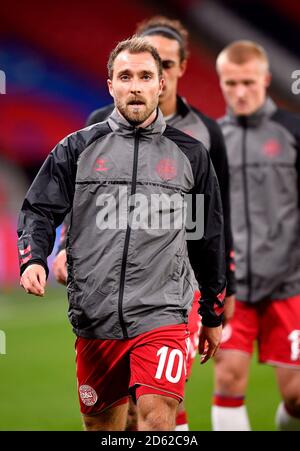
[(166, 169), (100, 165), (271, 148)]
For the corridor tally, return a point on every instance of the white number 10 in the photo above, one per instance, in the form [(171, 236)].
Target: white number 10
[(162, 353), (294, 338)]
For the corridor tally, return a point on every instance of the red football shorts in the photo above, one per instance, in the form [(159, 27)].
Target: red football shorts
[(151, 363), (274, 324)]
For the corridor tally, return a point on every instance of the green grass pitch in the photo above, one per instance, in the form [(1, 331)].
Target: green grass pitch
[(37, 373)]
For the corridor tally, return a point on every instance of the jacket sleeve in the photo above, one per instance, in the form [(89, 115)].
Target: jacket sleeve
[(46, 203), (298, 164), (207, 255), (291, 122), (219, 159)]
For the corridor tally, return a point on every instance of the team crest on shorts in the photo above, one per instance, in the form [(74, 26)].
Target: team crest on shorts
[(88, 395)]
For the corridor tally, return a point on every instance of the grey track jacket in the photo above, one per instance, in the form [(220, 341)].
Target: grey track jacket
[(264, 161), (196, 124), (124, 281)]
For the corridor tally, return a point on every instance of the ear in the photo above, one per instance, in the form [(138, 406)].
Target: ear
[(110, 88), (268, 79), (182, 67), (161, 85)]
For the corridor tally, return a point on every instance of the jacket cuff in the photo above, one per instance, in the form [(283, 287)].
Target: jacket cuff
[(211, 322), (36, 261), (230, 290), (212, 310)]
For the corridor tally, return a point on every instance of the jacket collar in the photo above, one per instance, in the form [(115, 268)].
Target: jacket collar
[(253, 120), (122, 127), (183, 107)]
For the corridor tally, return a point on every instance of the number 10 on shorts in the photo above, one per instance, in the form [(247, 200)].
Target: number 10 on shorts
[(167, 364)]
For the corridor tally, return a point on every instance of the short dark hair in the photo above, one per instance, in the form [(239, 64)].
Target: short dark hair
[(168, 28), (134, 45)]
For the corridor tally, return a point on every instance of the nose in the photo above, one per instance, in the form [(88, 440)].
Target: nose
[(135, 87), (240, 90)]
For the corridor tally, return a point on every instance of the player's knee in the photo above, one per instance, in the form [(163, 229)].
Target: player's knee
[(113, 419), (154, 421), (92, 423), (228, 378)]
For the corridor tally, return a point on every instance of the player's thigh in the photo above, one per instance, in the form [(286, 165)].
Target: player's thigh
[(158, 374), (112, 419), (158, 362), (158, 355)]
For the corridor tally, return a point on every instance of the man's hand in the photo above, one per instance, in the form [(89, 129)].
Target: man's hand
[(229, 308), (59, 267), (209, 341), (33, 280)]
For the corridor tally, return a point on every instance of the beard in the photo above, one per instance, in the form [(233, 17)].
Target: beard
[(136, 110)]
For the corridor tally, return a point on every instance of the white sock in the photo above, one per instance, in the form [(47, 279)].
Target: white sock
[(230, 418), (182, 427), (181, 420), (284, 421)]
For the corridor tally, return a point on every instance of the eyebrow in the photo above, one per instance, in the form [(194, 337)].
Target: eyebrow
[(147, 72), (129, 72), (244, 80)]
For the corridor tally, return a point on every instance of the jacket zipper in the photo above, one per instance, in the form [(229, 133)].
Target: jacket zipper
[(127, 236), (247, 215)]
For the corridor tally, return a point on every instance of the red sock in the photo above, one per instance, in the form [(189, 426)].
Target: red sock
[(228, 401), (181, 418)]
